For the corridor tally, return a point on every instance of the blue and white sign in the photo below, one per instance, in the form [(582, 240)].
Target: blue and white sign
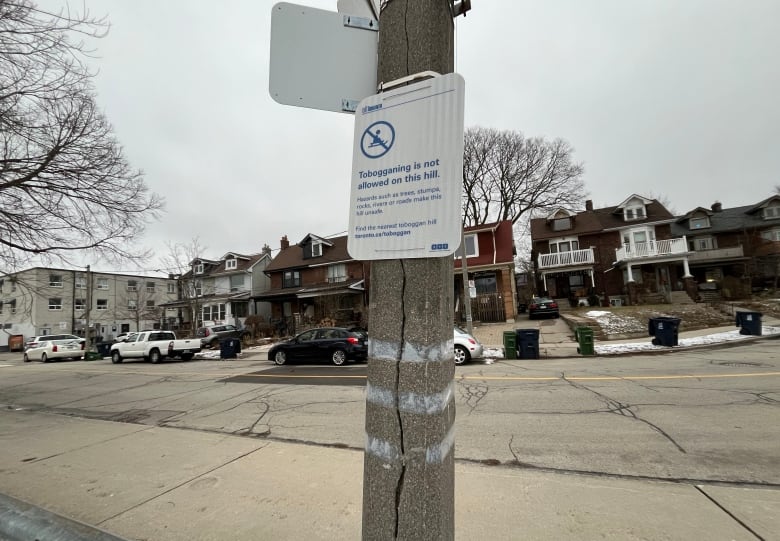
[(407, 171)]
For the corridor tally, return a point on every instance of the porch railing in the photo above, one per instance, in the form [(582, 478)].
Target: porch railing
[(652, 248), (564, 259), (720, 253)]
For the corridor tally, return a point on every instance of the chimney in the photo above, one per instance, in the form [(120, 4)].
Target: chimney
[(716, 206), (589, 204), (285, 242), (266, 249)]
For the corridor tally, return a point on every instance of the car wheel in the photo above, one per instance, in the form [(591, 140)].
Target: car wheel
[(339, 357), (462, 356), (26, 358), (557, 316), (116, 358), (44, 358), (530, 316), (214, 344), (280, 358), (154, 356)]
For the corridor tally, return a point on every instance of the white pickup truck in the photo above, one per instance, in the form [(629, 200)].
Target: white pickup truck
[(154, 346)]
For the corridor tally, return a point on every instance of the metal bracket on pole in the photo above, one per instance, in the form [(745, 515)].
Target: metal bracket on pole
[(408, 79), (365, 23)]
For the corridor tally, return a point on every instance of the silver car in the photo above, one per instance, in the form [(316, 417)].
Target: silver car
[(466, 347)]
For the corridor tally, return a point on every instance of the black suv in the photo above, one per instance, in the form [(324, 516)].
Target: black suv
[(211, 336)]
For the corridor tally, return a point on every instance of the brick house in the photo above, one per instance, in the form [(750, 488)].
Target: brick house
[(490, 251), (639, 253), (314, 280)]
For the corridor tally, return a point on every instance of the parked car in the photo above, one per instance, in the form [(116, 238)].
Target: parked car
[(336, 344), (122, 337), (466, 347), (211, 336), (33, 341), (154, 346), (46, 350), (543, 306)]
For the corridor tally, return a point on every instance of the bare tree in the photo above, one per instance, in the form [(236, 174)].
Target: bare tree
[(178, 261), (506, 176), (65, 184)]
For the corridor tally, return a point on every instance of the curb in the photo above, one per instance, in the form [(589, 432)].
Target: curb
[(22, 521)]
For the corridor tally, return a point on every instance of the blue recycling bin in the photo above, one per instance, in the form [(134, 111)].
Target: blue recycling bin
[(104, 348), (527, 343), (750, 323), (229, 348), (665, 330)]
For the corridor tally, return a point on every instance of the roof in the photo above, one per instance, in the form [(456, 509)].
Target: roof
[(335, 251), (732, 219), (599, 220), (314, 290)]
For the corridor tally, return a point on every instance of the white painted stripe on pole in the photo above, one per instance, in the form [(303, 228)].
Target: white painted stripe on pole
[(437, 453), (428, 404), (379, 396), (382, 449), (389, 351), (408, 402)]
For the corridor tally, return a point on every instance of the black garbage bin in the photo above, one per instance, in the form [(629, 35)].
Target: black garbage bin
[(229, 348), (527, 343), (104, 348), (750, 323), (665, 330)]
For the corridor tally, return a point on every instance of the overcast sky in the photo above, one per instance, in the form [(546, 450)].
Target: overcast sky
[(666, 98)]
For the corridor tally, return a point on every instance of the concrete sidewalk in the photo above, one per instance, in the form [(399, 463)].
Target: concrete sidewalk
[(164, 484)]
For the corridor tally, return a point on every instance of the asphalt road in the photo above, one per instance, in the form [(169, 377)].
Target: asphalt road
[(705, 416)]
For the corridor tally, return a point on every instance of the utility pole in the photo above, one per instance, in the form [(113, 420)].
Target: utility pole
[(409, 474), (88, 278)]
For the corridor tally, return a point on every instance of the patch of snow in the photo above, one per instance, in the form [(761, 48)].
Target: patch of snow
[(717, 338), (598, 313)]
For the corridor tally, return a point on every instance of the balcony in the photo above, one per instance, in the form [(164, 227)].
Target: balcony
[(652, 249), (566, 259), (713, 255)]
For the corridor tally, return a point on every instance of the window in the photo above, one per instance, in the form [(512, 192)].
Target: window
[(132, 285), (55, 280), (236, 282), (150, 288), (771, 234), (557, 246), (231, 264), (1, 307), (291, 279), (150, 305), (80, 304), (240, 309), (81, 282), (701, 243), (198, 288), (560, 224), (55, 304), (132, 304), (198, 268), (214, 312), (171, 287), (472, 246), (485, 284), (13, 306), (771, 212), (700, 222), (13, 285), (316, 248), (636, 275), (576, 280), (102, 283), (337, 273), (102, 304), (634, 212)]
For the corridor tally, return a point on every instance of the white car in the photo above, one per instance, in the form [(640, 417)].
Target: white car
[(33, 341), (45, 350), (466, 347)]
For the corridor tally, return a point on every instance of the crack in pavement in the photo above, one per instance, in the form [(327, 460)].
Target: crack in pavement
[(729, 513), (624, 410), (472, 393)]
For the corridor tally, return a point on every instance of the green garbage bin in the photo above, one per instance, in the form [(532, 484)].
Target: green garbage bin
[(584, 336), (510, 345)]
